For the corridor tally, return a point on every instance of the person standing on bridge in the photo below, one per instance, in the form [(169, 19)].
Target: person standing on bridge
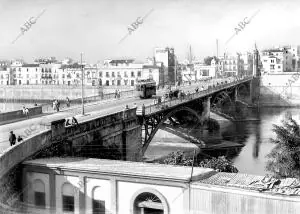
[(12, 138), (68, 102)]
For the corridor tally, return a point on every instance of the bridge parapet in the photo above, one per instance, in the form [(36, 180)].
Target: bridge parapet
[(108, 128), (151, 109)]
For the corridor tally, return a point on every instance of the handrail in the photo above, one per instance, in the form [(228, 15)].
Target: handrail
[(168, 103)]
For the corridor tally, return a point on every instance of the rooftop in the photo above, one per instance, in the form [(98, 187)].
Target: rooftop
[(123, 168), (268, 184)]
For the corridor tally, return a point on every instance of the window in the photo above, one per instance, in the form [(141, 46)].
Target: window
[(272, 67), (132, 74), (272, 60), (27, 69), (98, 202), (125, 74), (98, 207), (126, 82), (119, 75), (139, 74), (113, 74), (119, 82), (132, 82), (27, 82), (39, 193), (112, 82), (63, 76), (68, 198), (107, 82), (100, 74), (107, 74)]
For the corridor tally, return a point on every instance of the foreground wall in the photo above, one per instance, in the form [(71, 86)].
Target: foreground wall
[(19, 114), (211, 199), (49, 92)]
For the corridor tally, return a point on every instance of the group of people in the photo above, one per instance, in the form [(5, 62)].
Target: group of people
[(56, 105), (12, 138), (25, 111)]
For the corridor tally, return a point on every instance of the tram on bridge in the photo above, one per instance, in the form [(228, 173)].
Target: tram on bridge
[(146, 88)]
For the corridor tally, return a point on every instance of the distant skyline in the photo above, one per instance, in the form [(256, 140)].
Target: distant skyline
[(95, 27)]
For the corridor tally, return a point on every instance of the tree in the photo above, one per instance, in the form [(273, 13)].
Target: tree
[(208, 59), (220, 164), (284, 158)]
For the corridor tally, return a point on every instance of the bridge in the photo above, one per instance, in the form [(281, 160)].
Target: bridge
[(198, 104), (129, 133)]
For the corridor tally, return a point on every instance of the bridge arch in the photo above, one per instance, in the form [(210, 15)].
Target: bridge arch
[(242, 89), (220, 98), (163, 119)]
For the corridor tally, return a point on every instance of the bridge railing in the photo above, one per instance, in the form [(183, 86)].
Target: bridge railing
[(172, 102)]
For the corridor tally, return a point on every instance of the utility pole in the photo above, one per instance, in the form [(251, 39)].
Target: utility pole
[(217, 41), (82, 77)]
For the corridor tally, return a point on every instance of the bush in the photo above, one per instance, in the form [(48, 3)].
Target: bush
[(220, 164)]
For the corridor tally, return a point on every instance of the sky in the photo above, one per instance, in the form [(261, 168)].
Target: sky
[(95, 27)]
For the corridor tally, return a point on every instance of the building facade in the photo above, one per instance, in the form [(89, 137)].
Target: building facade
[(166, 56), (231, 65), (86, 185)]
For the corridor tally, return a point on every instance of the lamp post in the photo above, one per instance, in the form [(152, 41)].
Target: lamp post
[(82, 77)]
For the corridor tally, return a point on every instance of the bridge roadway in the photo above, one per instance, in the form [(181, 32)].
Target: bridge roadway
[(35, 125)]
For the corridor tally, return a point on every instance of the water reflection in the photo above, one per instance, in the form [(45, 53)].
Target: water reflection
[(254, 134)]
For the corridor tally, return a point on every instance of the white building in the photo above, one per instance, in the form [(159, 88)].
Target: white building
[(5, 76), (204, 71), (282, 59), (231, 65), (87, 185), (120, 72), (107, 186)]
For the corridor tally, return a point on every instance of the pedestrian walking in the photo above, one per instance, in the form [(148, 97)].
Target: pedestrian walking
[(54, 105), (119, 94), (12, 138), (23, 109), (68, 102), (57, 105), (27, 112), (116, 93)]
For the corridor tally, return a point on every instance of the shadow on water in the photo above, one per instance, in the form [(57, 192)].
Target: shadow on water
[(252, 137)]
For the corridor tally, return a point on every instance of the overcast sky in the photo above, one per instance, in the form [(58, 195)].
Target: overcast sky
[(95, 27)]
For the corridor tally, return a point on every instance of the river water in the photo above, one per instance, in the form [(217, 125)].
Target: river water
[(254, 134)]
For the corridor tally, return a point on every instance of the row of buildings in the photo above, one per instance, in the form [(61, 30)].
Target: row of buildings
[(280, 59), (163, 67)]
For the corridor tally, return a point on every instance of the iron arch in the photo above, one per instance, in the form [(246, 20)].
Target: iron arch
[(220, 98), (242, 88), (163, 119)]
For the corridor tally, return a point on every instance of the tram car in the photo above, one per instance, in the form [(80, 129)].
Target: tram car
[(146, 88)]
